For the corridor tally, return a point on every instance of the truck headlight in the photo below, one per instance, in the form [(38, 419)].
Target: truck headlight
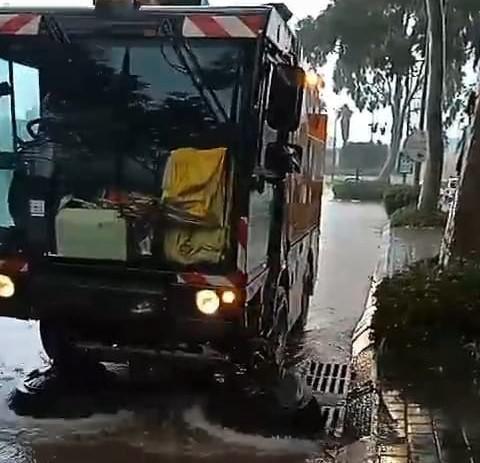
[(207, 302), (7, 287), (229, 297)]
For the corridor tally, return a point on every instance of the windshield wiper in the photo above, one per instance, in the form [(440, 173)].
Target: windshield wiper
[(189, 62)]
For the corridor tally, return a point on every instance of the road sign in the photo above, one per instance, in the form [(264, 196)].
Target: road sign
[(405, 164), (416, 146)]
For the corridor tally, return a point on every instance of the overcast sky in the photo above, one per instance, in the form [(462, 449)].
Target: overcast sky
[(360, 130), (300, 8)]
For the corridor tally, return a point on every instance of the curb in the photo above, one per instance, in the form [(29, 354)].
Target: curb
[(363, 402), (361, 333), (389, 428)]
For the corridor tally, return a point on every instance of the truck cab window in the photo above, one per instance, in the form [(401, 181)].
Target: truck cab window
[(6, 146), (6, 126), (27, 98), (26, 93)]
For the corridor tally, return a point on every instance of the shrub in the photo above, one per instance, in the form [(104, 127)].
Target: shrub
[(411, 217), (427, 329), (429, 302), (361, 190), (399, 196)]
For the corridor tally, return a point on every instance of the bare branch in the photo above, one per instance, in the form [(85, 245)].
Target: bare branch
[(420, 78), (388, 85)]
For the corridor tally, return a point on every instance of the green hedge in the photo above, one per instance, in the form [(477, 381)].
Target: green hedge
[(410, 217), (398, 196), (360, 191), (427, 332)]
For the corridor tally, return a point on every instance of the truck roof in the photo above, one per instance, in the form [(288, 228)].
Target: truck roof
[(172, 9), (199, 21)]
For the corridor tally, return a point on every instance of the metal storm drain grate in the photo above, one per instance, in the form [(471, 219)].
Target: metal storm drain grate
[(328, 378), (334, 418), (329, 383)]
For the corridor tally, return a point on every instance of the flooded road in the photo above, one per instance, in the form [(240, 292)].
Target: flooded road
[(350, 249), (175, 420)]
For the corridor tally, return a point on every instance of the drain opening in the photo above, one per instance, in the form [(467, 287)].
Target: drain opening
[(334, 418), (328, 378)]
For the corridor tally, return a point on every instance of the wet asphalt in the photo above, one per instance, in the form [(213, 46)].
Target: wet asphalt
[(186, 418)]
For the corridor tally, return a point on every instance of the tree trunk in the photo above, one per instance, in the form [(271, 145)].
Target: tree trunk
[(423, 113), (397, 132), (434, 169), (462, 237)]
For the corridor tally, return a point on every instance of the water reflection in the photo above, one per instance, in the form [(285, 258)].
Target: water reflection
[(11, 452)]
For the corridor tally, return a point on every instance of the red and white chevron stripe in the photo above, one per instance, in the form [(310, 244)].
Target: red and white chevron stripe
[(215, 281), (19, 24), (202, 25)]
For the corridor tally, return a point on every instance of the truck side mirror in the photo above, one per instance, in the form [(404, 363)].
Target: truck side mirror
[(286, 98), (282, 160)]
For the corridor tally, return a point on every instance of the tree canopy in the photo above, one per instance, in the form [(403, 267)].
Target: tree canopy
[(374, 40), (380, 45)]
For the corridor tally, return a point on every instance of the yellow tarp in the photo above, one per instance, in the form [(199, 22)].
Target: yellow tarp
[(195, 188), (190, 246), (194, 183)]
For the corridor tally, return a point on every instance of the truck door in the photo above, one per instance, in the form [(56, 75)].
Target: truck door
[(301, 138), (7, 137), (262, 192), (280, 161), (19, 103)]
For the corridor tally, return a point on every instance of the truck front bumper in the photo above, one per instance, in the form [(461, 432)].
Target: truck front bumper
[(132, 311)]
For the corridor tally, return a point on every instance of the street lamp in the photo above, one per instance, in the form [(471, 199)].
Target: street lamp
[(336, 118)]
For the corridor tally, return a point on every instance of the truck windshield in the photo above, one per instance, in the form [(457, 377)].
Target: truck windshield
[(152, 88), (131, 125)]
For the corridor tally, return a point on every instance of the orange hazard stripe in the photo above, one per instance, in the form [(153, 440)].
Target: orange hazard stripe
[(318, 126)]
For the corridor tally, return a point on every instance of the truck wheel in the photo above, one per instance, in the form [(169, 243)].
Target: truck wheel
[(266, 353), (279, 334), (61, 349)]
